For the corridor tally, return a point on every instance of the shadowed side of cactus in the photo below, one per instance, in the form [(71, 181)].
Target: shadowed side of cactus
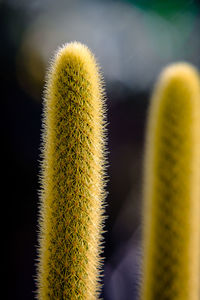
[(172, 188), (72, 177)]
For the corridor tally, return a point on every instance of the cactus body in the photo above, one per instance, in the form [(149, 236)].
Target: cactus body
[(172, 188), (72, 193)]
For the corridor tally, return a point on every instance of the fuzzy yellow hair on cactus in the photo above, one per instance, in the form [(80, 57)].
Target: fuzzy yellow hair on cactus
[(171, 267), (73, 176)]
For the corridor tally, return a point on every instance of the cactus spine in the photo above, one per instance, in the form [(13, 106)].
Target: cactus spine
[(172, 188), (72, 179)]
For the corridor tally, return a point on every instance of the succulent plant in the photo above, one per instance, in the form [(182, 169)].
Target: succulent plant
[(72, 177), (171, 227)]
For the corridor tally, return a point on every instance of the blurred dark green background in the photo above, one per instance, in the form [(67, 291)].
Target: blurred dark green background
[(133, 41)]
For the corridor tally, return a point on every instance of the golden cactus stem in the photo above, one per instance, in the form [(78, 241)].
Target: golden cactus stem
[(72, 178), (171, 268)]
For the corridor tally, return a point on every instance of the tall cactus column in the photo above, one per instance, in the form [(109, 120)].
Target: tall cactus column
[(171, 228), (72, 178)]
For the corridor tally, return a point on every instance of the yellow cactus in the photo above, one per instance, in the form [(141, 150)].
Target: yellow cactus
[(72, 179), (171, 269)]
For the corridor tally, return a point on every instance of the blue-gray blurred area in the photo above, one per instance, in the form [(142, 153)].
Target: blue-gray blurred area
[(132, 41)]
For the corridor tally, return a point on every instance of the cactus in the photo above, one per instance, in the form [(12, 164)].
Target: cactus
[(171, 227), (72, 178)]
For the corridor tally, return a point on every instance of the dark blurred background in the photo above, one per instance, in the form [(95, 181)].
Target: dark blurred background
[(133, 41)]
